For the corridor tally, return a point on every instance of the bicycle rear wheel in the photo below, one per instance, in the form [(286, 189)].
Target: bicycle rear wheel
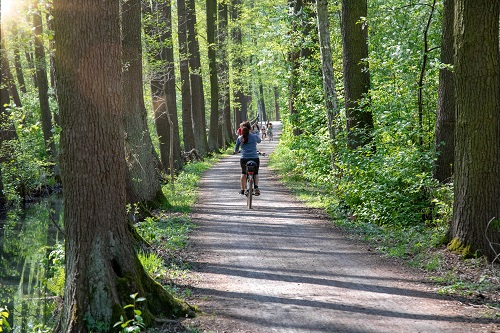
[(249, 191)]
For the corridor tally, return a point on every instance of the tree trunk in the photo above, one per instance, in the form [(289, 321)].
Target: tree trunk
[(17, 59), (171, 90), (9, 82), (276, 104), (143, 178), (421, 78), (223, 70), (477, 152), (296, 6), (445, 114), (332, 111), (214, 82), (237, 65), (187, 121), (356, 74), (7, 131), (102, 269), (262, 102), (158, 28), (43, 85), (197, 95)]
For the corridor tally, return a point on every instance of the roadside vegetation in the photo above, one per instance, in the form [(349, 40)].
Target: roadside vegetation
[(393, 224)]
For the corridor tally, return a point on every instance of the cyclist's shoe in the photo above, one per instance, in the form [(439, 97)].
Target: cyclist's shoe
[(256, 191), (242, 192), (245, 192)]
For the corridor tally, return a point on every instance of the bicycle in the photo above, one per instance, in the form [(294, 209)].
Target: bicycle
[(251, 166)]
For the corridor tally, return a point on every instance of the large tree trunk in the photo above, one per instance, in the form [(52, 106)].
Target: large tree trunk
[(445, 114), (143, 178), (197, 95), (101, 266), (477, 136), (213, 131), (43, 85), (356, 74), (223, 71), (187, 121)]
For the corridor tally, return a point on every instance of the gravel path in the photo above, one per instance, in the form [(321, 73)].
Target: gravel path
[(282, 267)]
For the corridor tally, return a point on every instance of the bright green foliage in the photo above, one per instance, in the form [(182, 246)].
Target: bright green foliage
[(391, 185), (28, 168), (136, 324), (4, 315)]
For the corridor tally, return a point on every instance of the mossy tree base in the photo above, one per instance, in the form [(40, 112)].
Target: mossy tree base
[(455, 245)]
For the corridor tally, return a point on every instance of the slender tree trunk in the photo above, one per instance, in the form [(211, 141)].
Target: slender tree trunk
[(143, 178), (423, 70), (171, 90), (10, 83), (17, 60), (31, 66), (187, 121), (214, 82), (332, 111), (445, 114), (43, 85), (477, 152), (276, 104), (7, 131), (356, 74), (197, 95), (296, 6), (101, 266), (237, 65), (158, 28), (223, 70), (262, 102)]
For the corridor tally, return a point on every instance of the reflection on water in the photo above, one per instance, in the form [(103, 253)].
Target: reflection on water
[(30, 241)]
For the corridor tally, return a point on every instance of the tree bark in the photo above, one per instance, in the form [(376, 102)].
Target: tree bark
[(101, 266), (237, 65), (356, 74), (332, 111), (143, 178), (294, 54), (187, 121), (213, 142), (158, 27), (445, 114), (223, 71), (197, 95), (276, 104), (477, 152), (17, 60)]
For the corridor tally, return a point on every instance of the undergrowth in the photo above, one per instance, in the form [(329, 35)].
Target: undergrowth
[(417, 241), (167, 231)]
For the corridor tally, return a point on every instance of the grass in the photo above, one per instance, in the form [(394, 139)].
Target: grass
[(167, 231)]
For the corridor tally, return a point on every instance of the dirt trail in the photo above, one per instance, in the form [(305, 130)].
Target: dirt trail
[(282, 267)]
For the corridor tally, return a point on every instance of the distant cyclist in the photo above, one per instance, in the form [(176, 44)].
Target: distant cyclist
[(248, 143)]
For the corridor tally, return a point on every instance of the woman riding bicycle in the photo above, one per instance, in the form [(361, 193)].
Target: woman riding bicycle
[(248, 142)]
